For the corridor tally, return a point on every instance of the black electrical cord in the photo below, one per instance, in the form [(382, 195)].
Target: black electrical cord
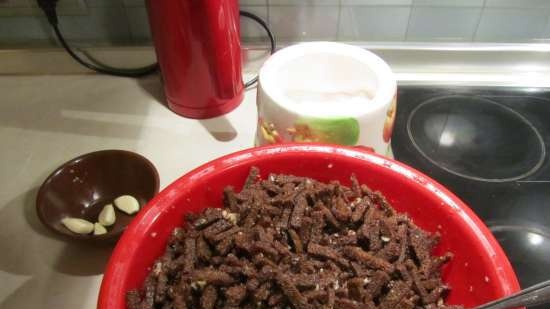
[(49, 8), (137, 72), (270, 35)]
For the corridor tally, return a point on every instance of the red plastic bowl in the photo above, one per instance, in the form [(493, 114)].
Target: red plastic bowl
[(478, 273)]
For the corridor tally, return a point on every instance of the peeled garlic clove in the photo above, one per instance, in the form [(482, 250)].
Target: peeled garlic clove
[(107, 215), (127, 203), (99, 229), (79, 226)]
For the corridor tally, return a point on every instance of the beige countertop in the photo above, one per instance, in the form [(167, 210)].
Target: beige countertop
[(47, 120)]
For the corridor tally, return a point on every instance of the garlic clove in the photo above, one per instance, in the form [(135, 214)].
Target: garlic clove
[(107, 215), (79, 226), (99, 229), (127, 203)]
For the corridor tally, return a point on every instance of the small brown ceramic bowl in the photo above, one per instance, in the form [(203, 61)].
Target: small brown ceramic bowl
[(81, 187)]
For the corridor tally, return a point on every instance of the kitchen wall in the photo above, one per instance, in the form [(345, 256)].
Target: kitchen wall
[(124, 22)]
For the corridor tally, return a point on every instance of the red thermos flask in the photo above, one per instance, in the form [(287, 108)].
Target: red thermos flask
[(199, 51)]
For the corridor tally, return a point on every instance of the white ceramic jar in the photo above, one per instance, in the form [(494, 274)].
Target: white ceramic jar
[(326, 92)]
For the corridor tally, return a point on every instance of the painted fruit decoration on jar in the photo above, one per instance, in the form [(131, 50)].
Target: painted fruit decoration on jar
[(342, 131), (268, 133), (390, 121)]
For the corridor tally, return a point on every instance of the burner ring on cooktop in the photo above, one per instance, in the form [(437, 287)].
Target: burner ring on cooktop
[(476, 138), (527, 247)]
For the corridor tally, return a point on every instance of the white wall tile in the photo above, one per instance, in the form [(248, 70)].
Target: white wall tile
[(15, 4), (546, 33), (443, 24), (365, 23), (304, 2), (518, 3), (252, 2), (511, 25), (20, 30), (139, 24), (297, 23), (134, 3), (108, 25), (103, 3), (444, 3), (250, 29), (377, 2), (121, 21)]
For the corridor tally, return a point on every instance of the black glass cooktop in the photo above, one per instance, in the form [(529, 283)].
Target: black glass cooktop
[(491, 147)]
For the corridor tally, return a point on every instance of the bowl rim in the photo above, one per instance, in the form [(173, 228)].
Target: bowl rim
[(90, 238), (110, 286)]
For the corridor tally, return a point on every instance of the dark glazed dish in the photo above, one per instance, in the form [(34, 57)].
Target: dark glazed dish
[(294, 242), (82, 186)]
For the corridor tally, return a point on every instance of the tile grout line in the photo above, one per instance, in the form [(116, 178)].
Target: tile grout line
[(546, 26), (267, 17), (132, 37), (476, 30), (406, 38), (355, 23), (338, 20)]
